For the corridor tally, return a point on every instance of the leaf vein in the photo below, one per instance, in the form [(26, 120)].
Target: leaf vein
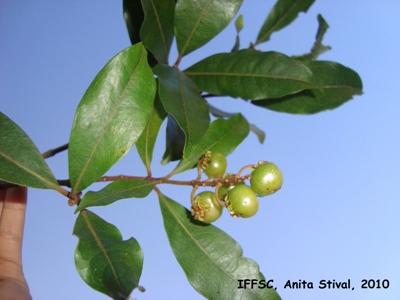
[(102, 249), (114, 111), (194, 28)]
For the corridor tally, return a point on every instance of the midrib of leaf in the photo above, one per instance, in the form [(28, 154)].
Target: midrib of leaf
[(54, 186), (99, 243), (276, 25), (194, 29), (350, 88), (161, 31), (106, 125), (197, 244), (242, 75)]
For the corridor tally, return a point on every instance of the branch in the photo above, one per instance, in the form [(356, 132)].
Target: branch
[(52, 152), (165, 180)]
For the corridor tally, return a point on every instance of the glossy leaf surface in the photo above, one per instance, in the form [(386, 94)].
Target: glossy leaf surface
[(20, 161), (117, 190), (222, 136), (111, 116), (103, 260), (157, 31), (181, 99), (250, 74), (282, 14), (145, 143), (197, 22), (338, 85), (212, 261)]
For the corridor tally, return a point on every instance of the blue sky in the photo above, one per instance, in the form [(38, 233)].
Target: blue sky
[(337, 215)]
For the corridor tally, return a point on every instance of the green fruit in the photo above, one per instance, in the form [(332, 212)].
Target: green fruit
[(206, 207), (214, 164), (242, 201), (224, 189), (266, 179)]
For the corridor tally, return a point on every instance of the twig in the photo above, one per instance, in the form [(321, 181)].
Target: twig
[(52, 152)]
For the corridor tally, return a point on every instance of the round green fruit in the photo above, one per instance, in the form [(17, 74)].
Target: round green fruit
[(206, 207), (242, 201), (214, 164), (266, 179), (224, 189)]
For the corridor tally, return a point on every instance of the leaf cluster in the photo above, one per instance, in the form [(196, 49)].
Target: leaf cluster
[(127, 103)]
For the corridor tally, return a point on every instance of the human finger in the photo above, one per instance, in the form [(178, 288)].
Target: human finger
[(12, 219)]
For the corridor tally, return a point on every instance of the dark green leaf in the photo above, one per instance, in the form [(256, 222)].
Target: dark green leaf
[(157, 31), (197, 22), (111, 116), (175, 142), (222, 136), (251, 74), (338, 85), (212, 261), (120, 189), (318, 48), (145, 143), (20, 161), (103, 260), (282, 14), (182, 100), (133, 16)]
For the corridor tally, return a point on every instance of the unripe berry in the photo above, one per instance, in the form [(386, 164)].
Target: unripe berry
[(224, 189), (242, 201), (206, 207), (266, 179), (214, 164)]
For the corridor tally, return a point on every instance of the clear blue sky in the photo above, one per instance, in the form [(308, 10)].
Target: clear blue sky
[(337, 216)]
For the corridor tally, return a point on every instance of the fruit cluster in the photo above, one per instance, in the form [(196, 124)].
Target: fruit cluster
[(231, 191)]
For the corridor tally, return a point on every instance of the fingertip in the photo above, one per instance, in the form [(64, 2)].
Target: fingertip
[(17, 194)]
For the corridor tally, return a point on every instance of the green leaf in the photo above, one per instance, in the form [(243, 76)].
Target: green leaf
[(251, 74), (212, 261), (21, 162), (145, 143), (103, 260), (318, 48), (258, 132), (111, 116), (120, 189), (157, 31), (239, 26), (133, 16), (223, 114), (182, 100), (282, 14), (222, 136), (239, 23), (175, 142), (197, 22), (338, 85)]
